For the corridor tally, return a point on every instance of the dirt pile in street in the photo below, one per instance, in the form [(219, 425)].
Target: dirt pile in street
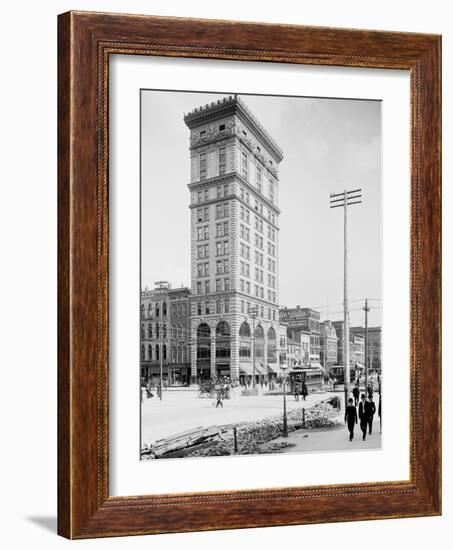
[(251, 435)]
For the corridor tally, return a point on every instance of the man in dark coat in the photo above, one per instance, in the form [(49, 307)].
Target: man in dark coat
[(304, 391), (363, 416), (350, 418), (356, 394), (370, 409)]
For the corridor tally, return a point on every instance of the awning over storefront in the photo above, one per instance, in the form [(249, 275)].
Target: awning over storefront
[(359, 366), (247, 369), (274, 368)]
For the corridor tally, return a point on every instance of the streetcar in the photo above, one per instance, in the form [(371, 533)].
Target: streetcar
[(313, 378), (337, 373)]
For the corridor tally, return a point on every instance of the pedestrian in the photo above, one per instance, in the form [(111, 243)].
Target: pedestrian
[(296, 392), (356, 394), (370, 409), (362, 416), (304, 391), (219, 398), (350, 418)]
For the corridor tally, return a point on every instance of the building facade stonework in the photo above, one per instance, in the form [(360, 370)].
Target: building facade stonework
[(234, 186)]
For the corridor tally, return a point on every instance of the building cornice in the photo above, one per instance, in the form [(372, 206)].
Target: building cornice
[(233, 106), (199, 185)]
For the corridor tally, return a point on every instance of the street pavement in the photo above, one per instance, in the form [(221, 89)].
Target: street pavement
[(331, 439), (184, 410)]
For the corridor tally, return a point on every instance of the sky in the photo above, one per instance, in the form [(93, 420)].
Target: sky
[(329, 145)]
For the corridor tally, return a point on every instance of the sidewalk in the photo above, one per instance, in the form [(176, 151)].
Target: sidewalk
[(332, 439)]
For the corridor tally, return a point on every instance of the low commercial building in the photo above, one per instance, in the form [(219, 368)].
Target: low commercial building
[(164, 334), (374, 345)]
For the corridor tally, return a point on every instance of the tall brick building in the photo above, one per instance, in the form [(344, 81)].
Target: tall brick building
[(234, 188)]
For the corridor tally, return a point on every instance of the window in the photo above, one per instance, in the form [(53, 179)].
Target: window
[(198, 287), (222, 210), (203, 233), (226, 284), (218, 307), (227, 306), (217, 285), (226, 247), (202, 133), (242, 306), (244, 165), (226, 266), (226, 191), (242, 285), (206, 194), (219, 191), (206, 287), (258, 179), (222, 158), (203, 165), (221, 229), (199, 308), (221, 127), (271, 191), (207, 310), (200, 196)]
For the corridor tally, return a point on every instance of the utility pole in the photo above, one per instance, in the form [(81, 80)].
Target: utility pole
[(345, 199), (366, 309)]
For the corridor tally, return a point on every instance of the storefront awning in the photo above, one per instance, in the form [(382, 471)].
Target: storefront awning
[(247, 368)]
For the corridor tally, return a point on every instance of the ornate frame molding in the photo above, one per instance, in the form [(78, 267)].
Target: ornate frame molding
[(86, 41)]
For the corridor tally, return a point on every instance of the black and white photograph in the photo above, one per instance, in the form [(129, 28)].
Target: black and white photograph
[(261, 274)]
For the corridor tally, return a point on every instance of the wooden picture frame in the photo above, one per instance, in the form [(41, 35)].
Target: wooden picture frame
[(85, 42)]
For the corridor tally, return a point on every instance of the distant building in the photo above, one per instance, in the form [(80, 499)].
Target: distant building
[(374, 345), (356, 345), (307, 320), (164, 334), (293, 354), (328, 345)]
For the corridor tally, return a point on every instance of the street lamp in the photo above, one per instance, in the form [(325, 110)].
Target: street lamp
[(285, 421)]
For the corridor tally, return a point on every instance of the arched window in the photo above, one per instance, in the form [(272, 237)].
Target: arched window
[(164, 352), (157, 310), (259, 342), (142, 353), (164, 309), (150, 330), (150, 310), (150, 352), (164, 330), (203, 341), (271, 346), (142, 331), (157, 330), (157, 352), (245, 345), (142, 311), (223, 340), (244, 330)]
